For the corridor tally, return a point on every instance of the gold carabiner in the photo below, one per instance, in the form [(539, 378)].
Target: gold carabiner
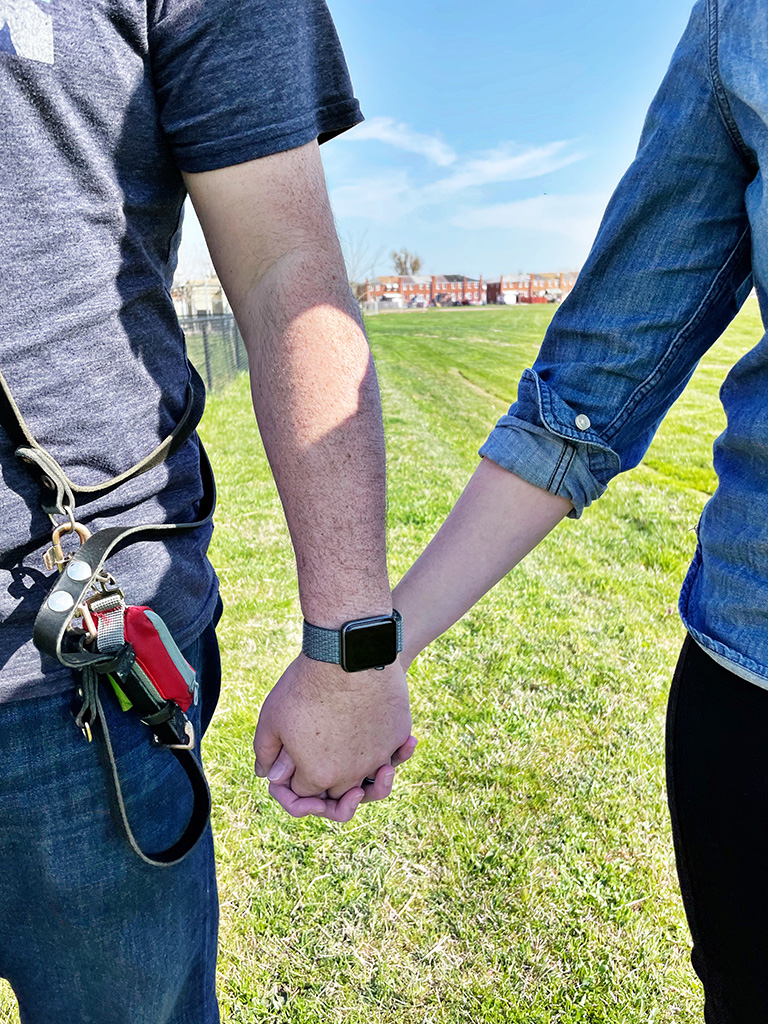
[(54, 557)]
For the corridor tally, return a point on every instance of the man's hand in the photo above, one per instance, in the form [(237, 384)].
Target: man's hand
[(323, 731)]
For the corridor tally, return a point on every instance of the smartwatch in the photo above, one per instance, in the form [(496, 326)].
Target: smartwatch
[(359, 645)]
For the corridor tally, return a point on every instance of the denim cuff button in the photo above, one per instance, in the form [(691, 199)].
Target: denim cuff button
[(583, 422)]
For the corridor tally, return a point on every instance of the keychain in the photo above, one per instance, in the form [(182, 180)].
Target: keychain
[(160, 684), (147, 671), (151, 675)]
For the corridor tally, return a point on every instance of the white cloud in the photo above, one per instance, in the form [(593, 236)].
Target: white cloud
[(381, 198), (399, 135), (577, 217), (507, 162), (385, 197)]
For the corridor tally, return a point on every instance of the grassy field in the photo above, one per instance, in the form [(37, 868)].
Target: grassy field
[(523, 869)]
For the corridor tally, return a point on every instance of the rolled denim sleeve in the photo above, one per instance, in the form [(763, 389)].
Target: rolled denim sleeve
[(669, 269)]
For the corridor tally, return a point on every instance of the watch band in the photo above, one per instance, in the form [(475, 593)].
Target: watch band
[(321, 644)]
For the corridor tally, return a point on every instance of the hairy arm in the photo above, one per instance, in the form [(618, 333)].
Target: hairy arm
[(271, 236)]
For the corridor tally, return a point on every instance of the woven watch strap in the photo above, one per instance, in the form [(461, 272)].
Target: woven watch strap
[(325, 644)]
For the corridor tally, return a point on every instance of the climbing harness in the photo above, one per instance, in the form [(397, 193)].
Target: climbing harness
[(85, 623)]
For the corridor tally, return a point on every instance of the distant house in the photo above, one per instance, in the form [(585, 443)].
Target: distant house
[(384, 289), (531, 288), (416, 289), (469, 291), (440, 293), (508, 289), (422, 289), (200, 298), (458, 289)]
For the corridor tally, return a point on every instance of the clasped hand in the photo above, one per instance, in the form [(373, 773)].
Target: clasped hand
[(322, 732)]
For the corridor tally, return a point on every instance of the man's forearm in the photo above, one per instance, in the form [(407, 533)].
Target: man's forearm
[(317, 403), (270, 231), (497, 520)]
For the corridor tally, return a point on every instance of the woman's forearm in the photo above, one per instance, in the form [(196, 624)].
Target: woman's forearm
[(497, 520)]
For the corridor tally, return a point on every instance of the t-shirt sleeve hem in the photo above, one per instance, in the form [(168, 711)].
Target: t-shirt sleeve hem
[(322, 123)]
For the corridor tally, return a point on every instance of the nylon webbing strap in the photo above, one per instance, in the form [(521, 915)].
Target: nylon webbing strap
[(322, 644), (111, 634), (57, 489)]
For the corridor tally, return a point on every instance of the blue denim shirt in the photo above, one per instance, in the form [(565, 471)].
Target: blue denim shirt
[(682, 240)]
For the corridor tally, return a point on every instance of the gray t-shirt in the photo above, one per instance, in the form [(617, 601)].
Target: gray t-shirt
[(103, 104)]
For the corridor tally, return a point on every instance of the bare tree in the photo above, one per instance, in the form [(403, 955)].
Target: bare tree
[(405, 261), (360, 257)]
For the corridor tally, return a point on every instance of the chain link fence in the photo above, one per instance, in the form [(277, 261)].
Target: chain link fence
[(215, 347)]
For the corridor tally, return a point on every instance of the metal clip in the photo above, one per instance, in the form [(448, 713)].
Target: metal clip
[(188, 744), (87, 712), (49, 561), (54, 557), (88, 624)]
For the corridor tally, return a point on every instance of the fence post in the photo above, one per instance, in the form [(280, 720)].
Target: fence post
[(242, 355), (208, 373), (232, 347)]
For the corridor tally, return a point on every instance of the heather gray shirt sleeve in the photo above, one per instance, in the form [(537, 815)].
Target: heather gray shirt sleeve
[(240, 80)]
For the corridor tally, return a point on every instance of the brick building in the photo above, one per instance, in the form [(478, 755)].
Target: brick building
[(530, 288), (466, 290), (382, 288), (458, 289), (416, 289), (421, 289)]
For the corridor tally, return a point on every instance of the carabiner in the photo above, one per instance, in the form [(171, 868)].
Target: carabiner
[(54, 557)]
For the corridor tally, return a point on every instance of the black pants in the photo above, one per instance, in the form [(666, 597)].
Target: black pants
[(717, 780)]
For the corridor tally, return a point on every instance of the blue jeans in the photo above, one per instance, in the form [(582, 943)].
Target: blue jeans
[(88, 932)]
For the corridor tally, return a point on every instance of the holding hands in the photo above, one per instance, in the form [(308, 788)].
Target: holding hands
[(324, 733)]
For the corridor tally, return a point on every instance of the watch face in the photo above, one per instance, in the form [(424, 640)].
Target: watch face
[(368, 643)]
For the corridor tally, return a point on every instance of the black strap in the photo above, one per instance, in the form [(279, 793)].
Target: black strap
[(57, 490), (201, 806)]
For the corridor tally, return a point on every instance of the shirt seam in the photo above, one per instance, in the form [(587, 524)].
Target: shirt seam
[(558, 474), (653, 378), (718, 89)]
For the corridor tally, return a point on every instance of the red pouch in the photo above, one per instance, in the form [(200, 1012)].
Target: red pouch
[(159, 662)]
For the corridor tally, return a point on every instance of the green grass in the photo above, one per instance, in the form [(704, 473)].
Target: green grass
[(523, 869)]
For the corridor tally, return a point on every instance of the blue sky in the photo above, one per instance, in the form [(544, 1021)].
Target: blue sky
[(495, 133)]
